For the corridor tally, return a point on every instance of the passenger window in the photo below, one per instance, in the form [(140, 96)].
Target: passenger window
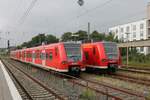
[(37, 55), (30, 55), (42, 56), (50, 56), (33, 55), (47, 56)]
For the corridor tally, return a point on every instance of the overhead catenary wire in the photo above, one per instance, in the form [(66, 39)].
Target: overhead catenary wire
[(116, 21), (27, 12), (101, 5), (119, 20), (93, 9)]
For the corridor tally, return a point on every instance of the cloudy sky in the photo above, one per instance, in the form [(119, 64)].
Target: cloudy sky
[(59, 16)]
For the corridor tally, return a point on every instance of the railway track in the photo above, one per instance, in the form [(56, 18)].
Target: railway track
[(101, 89), (29, 87), (131, 79), (77, 87), (135, 70)]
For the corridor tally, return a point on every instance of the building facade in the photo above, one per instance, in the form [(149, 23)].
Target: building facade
[(132, 31)]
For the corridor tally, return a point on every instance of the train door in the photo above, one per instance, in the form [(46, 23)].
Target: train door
[(43, 57), (33, 56), (95, 56), (38, 59), (25, 55), (49, 57), (21, 55)]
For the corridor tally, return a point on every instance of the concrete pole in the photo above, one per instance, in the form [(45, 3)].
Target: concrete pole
[(127, 56), (127, 49), (88, 31)]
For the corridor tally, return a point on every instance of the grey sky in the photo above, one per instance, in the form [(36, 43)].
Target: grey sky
[(58, 16)]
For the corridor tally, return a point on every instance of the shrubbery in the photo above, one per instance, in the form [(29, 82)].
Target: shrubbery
[(135, 57)]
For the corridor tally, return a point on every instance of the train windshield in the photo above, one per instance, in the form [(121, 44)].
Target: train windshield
[(111, 50), (73, 51)]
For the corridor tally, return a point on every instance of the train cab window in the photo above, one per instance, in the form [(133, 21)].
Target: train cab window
[(94, 50)]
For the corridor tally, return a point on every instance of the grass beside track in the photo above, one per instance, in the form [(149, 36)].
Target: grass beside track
[(137, 64)]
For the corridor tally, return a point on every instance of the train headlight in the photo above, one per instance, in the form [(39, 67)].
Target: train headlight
[(104, 60), (64, 62)]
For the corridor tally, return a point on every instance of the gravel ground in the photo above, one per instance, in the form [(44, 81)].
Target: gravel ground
[(119, 83)]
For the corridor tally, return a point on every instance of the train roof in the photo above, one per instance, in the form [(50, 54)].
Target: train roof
[(98, 42), (46, 46)]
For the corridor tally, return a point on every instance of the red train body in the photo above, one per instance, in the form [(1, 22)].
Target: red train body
[(61, 57), (101, 55)]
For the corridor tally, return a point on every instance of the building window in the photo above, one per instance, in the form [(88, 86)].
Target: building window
[(134, 39), (127, 29), (134, 27), (141, 34), (122, 30), (116, 30), (141, 49), (134, 34), (122, 37), (142, 26), (148, 49)]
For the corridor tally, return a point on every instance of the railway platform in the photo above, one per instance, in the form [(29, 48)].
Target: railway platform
[(8, 91)]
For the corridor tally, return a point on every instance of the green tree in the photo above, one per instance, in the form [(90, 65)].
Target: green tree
[(66, 37), (96, 36), (81, 35), (111, 37), (51, 39), (39, 39)]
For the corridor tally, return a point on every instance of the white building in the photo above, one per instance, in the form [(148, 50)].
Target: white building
[(133, 31)]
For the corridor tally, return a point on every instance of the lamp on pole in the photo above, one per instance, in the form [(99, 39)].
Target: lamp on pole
[(80, 2)]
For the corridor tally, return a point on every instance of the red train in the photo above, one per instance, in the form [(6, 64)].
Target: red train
[(61, 57), (101, 55)]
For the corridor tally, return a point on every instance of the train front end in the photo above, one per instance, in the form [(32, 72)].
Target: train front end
[(74, 60), (113, 56)]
